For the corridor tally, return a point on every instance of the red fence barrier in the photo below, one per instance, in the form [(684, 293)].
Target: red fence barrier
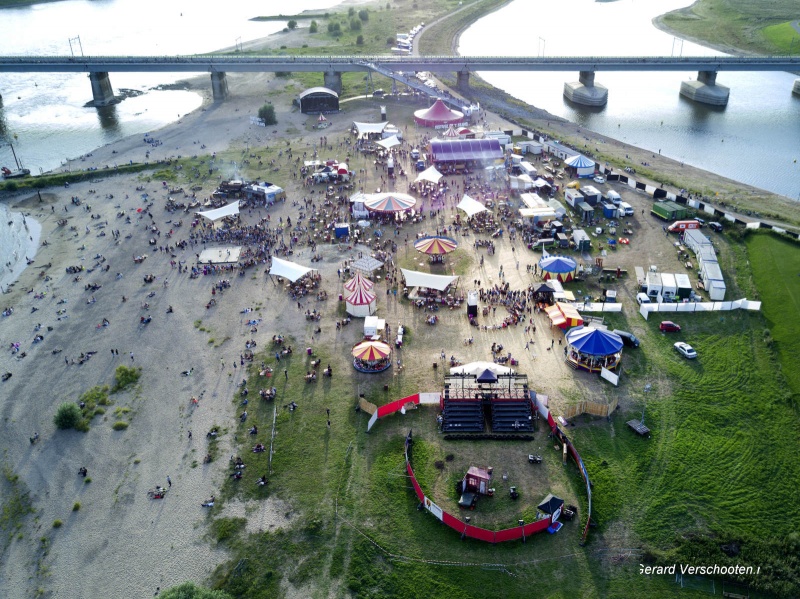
[(395, 406)]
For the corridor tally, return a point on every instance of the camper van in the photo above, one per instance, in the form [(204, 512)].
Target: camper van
[(526, 168), (683, 225), (625, 209)]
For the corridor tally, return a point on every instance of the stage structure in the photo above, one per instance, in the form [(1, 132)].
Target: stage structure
[(469, 400)]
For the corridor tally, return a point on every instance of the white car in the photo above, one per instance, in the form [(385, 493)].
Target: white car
[(642, 298), (599, 179), (686, 350)]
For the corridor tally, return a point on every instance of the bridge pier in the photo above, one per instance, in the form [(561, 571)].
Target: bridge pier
[(584, 91), (333, 80), (705, 90), (462, 80), (102, 93), (795, 88), (219, 86)]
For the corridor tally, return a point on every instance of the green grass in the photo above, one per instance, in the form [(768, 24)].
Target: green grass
[(783, 37), (776, 265)]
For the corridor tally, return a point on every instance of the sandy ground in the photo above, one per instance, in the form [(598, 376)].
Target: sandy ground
[(120, 543)]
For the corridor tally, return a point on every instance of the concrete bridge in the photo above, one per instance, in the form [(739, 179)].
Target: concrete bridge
[(584, 91)]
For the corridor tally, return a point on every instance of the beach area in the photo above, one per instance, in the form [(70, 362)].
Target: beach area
[(120, 543)]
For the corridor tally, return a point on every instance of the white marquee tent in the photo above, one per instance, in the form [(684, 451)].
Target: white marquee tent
[(429, 174), (229, 210), (288, 270), (479, 367), (365, 129), (361, 303), (389, 142), (470, 206), (423, 279)]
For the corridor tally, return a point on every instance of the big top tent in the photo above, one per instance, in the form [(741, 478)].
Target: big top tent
[(451, 132), (429, 174), (438, 114), (361, 303), (229, 210), (579, 161), (594, 342), (558, 267), (470, 206), (288, 270), (423, 279), (390, 202), (357, 281)]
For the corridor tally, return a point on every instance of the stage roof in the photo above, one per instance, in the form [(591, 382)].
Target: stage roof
[(423, 279), (229, 210), (456, 150), (288, 270)]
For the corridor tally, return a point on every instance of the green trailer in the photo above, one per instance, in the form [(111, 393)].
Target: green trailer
[(669, 211)]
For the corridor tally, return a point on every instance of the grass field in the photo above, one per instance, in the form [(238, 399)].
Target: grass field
[(737, 24)]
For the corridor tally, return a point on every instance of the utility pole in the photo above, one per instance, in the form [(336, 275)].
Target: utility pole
[(76, 39)]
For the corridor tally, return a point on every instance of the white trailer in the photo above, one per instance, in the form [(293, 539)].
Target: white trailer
[(669, 288), (653, 283), (573, 197)]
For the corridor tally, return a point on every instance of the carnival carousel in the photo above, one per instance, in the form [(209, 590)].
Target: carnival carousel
[(372, 356), (592, 349)]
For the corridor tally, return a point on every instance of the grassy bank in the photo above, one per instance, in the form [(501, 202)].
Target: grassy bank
[(737, 25)]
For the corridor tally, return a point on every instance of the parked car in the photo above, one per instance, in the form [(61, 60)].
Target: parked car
[(701, 221), (686, 350), (628, 339), (715, 226), (599, 179), (667, 326), (378, 93), (642, 298)]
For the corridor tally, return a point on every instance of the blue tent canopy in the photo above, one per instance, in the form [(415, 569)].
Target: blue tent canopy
[(487, 376), (558, 264), (594, 342), (580, 161)]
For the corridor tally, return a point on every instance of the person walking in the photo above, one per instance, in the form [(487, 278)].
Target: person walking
[(132, 360), (286, 373), (169, 481)]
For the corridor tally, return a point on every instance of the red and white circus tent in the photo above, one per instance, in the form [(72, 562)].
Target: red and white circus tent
[(357, 281), (361, 303), (438, 114)]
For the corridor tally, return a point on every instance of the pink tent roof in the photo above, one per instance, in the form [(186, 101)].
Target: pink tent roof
[(361, 297), (359, 281), (451, 132), (438, 114)]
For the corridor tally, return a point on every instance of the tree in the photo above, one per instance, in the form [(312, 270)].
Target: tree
[(355, 25), (363, 15), (188, 590), (292, 24), (351, 11), (68, 415), (360, 40), (267, 113), (313, 28), (334, 28)]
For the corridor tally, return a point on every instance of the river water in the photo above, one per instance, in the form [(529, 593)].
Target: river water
[(755, 139), (43, 114)]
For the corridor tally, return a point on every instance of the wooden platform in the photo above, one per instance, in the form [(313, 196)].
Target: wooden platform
[(637, 426), (223, 255)]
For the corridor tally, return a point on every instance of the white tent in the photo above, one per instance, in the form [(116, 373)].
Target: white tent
[(429, 174), (479, 367), (389, 142), (470, 206), (583, 165), (365, 129), (423, 279), (367, 265), (229, 210), (288, 270)]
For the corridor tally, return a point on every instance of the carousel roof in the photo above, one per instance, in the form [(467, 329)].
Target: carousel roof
[(390, 202), (357, 281), (438, 114), (557, 264), (361, 297), (594, 342), (435, 246), (370, 351)]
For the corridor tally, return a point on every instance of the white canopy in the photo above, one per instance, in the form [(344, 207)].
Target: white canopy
[(389, 142), (423, 279), (229, 210), (479, 367), (470, 206), (288, 270), (429, 174), (367, 264), (367, 128)]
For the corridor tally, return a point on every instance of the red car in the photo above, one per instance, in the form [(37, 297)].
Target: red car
[(668, 326)]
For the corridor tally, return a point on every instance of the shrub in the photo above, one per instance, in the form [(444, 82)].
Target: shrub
[(76, 506), (363, 15), (188, 590), (292, 24), (267, 113), (334, 28), (87, 480), (355, 25), (11, 186), (125, 376), (120, 425), (313, 28), (390, 41), (284, 74), (68, 415), (227, 528), (351, 11), (360, 40), (57, 523)]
